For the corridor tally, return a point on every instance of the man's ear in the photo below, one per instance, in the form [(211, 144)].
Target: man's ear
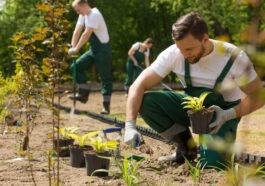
[(205, 38)]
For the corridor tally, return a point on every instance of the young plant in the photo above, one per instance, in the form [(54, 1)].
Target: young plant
[(101, 146), (237, 174), (65, 131), (129, 170), (83, 140), (195, 103), (195, 171)]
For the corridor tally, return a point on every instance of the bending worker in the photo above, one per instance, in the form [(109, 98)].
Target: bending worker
[(138, 54), (201, 64)]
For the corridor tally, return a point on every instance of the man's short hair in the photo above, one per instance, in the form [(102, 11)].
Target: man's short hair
[(191, 23), (78, 2), (148, 40)]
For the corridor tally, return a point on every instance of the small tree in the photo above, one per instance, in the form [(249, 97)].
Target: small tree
[(55, 64), (28, 78)]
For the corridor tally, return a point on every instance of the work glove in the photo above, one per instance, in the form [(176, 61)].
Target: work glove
[(222, 116), (72, 51), (132, 136), (135, 63)]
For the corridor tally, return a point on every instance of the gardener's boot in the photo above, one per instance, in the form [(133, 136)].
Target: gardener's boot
[(106, 108), (186, 147), (82, 94)]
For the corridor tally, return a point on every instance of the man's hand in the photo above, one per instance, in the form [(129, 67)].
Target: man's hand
[(132, 136), (221, 117), (135, 63), (72, 51)]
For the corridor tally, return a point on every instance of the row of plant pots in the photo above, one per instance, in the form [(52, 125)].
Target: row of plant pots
[(88, 150)]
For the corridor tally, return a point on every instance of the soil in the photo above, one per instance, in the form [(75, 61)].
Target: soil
[(15, 171)]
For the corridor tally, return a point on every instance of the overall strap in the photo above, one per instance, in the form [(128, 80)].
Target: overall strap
[(227, 67), (187, 74)]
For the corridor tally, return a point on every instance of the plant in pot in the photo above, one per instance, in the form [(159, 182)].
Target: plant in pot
[(99, 158), (200, 117), (77, 151), (65, 140)]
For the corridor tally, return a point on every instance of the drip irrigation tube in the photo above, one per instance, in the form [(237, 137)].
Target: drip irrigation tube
[(244, 157)]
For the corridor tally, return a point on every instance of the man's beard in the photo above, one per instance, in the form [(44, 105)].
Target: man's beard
[(198, 57)]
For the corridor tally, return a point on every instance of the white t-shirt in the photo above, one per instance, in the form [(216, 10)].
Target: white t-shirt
[(137, 45), (206, 71), (96, 21)]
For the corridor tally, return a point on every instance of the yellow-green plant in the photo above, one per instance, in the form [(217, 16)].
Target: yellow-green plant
[(128, 170), (195, 103), (195, 171), (101, 146), (65, 131), (237, 174), (83, 140)]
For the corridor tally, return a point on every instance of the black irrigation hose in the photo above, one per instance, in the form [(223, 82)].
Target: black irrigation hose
[(244, 157)]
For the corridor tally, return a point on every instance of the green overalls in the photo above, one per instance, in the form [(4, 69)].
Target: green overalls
[(162, 109), (100, 55), (132, 71)]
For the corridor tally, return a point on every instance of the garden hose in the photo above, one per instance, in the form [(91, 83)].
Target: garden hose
[(244, 157)]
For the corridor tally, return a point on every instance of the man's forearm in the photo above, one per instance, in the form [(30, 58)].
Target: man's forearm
[(134, 102), (75, 38), (249, 104), (83, 39)]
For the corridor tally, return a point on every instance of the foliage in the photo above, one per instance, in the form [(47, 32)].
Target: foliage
[(195, 103), (237, 174), (83, 140), (126, 26), (195, 171), (65, 131), (128, 170), (7, 88), (28, 78), (101, 146)]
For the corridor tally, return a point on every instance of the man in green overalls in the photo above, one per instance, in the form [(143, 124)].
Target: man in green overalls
[(201, 64), (100, 51), (138, 54)]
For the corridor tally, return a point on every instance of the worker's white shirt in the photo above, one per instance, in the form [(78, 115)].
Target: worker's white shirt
[(206, 71), (137, 45), (96, 21)]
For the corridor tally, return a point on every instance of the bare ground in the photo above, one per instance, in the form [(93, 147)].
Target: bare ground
[(16, 172)]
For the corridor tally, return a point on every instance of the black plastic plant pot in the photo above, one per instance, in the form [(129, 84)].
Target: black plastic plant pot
[(200, 120), (63, 142), (95, 161), (63, 151), (77, 158)]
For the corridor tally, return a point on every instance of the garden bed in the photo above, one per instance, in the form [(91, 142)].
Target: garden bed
[(14, 171)]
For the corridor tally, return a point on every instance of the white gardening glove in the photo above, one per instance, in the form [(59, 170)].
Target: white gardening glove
[(135, 63), (72, 51), (221, 117), (132, 136)]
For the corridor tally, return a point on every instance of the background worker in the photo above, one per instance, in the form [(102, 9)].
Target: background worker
[(138, 54), (91, 26), (202, 64)]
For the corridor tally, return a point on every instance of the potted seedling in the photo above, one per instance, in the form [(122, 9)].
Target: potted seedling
[(98, 159), (65, 140), (200, 117), (77, 151)]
